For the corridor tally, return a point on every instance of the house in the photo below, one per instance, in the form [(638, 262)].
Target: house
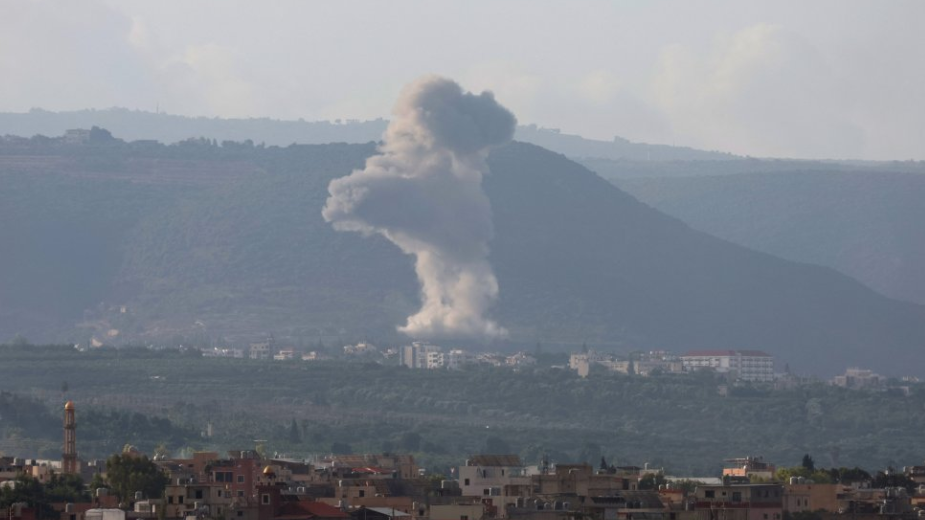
[(497, 479), (800, 496), (739, 502)]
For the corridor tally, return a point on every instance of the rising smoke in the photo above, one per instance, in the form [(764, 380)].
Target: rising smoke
[(424, 193)]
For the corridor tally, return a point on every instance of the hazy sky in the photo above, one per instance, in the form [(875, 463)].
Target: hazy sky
[(839, 79)]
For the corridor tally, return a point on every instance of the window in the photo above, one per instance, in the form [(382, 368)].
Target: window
[(709, 493), (198, 493), (180, 499), (240, 514), (362, 493), (229, 476), (486, 491), (170, 499), (240, 479), (463, 517), (467, 482), (765, 516), (265, 499), (736, 496), (502, 472), (241, 493)]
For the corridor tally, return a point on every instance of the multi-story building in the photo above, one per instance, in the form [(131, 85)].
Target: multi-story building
[(748, 365), (422, 355), (497, 479)]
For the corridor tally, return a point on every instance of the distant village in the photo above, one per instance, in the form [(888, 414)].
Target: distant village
[(740, 365), (247, 485)]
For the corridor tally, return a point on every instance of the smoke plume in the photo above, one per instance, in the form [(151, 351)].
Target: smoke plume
[(423, 192)]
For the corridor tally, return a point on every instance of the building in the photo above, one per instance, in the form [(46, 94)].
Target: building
[(748, 365), (286, 354), (422, 355), (749, 467), (498, 480), (77, 136), (739, 502), (859, 379)]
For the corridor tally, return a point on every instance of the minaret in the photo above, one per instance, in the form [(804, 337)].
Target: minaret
[(69, 458)]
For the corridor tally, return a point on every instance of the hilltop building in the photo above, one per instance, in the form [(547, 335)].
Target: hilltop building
[(748, 365), (422, 355), (859, 379)]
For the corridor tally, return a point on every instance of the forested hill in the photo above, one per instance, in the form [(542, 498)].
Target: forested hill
[(867, 224), (139, 241), (135, 125)]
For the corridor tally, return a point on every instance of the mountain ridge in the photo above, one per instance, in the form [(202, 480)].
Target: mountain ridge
[(577, 260)]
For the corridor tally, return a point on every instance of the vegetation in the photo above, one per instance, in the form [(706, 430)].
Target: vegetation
[(208, 243), (128, 473), (864, 222), (167, 398), (28, 490)]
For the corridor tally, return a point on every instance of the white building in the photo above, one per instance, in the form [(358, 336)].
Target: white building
[(421, 355), (748, 365)]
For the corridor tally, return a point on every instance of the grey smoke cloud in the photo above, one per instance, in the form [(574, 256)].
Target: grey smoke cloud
[(423, 192)]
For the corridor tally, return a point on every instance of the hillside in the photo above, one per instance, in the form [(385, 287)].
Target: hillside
[(867, 224), (629, 168), (134, 125), (197, 242)]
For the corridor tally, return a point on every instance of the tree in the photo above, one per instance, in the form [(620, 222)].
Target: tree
[(652, 480), (66, 488), (295, 436), (128, 473), (29, 490), (808, 463)]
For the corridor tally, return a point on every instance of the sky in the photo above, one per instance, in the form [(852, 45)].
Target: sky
[(820, 79)]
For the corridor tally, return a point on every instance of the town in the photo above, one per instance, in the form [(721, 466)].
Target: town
[(741, 365), (248, 485)]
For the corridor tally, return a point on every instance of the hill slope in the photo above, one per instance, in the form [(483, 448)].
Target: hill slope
[(134, 125), (200, 240), (869, 225)]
